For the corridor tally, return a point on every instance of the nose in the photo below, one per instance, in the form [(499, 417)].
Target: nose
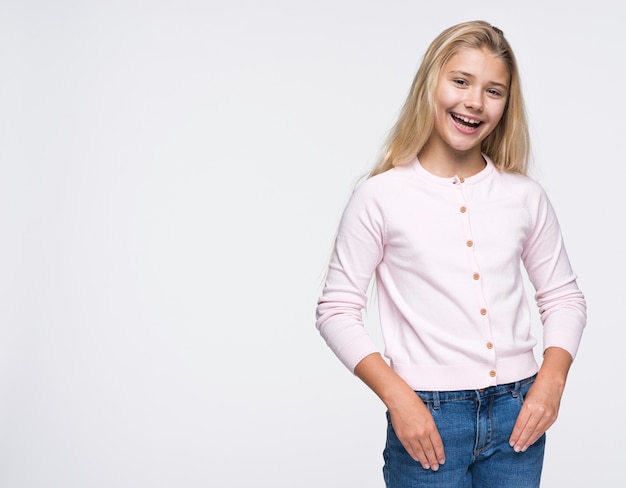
[(474, 100)]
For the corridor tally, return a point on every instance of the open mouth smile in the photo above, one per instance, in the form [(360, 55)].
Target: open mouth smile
[(465, 123)]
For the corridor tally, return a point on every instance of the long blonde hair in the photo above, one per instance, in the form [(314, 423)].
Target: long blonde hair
[(508, 146)]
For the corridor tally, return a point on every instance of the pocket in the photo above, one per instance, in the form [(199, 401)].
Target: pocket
[(427, 399), (526, 385)]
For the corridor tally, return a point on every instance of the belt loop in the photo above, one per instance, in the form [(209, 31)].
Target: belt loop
[(517, 389), (436, 403)]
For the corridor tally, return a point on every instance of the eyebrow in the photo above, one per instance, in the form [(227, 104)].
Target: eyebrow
[(469, 75)]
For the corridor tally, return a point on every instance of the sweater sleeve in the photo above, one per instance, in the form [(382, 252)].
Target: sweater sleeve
[(562, 306), (357, 252)]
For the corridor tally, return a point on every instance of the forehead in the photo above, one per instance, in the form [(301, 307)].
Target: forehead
[(477, 62)]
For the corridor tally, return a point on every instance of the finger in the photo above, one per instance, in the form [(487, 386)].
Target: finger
[(439, 451), (432, 462), (524, 428), (533, 436), (518, 429), (538, 422), (416, 451), (432, 453), (533, 430)]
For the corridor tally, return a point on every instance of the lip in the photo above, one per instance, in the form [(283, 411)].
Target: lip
[(461, 126)]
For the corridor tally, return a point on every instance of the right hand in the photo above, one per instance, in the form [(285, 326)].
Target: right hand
[(415, 428), (412, 422)]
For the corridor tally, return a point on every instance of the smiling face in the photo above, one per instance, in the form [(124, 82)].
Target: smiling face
[(470, 99)]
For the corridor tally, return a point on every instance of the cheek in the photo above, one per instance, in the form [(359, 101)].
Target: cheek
[(497, 113), (443, 103), (445, 99)]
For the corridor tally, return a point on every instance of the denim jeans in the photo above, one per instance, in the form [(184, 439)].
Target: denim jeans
[(475, 426)]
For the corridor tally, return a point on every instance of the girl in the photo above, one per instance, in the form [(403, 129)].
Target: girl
[(444, 221)]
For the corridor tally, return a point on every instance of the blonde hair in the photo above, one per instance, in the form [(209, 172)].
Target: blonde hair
[(508, 146)]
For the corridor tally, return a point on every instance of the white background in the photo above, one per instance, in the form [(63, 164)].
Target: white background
[(171, 177)]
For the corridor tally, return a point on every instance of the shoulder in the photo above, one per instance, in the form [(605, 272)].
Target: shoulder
[(376, 198), (385, 186), (529, 194), (519, 184)]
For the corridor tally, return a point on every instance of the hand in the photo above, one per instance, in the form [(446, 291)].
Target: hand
[(415, 428), (539, 412), (412, 422), (542, 403)]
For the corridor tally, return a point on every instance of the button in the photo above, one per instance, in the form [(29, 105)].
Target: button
[(483, 311), (461, 179), (490, 345), (463, 209), (476, 276), (492, 373), (469, 243)]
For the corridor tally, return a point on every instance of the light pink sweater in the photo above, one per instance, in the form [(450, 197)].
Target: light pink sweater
[(447, 255)]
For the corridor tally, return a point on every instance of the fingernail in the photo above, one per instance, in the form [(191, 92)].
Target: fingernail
[(517, 448), (426, 466)]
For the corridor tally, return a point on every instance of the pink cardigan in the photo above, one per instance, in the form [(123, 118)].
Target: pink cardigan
[(447, 256)]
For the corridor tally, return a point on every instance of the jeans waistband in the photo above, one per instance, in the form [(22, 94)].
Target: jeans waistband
[(447, 396)]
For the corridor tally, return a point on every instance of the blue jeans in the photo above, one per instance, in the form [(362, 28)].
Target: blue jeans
[(475, 426)]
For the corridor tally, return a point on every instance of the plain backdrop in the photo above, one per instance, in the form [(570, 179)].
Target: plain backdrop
[(171, 177)]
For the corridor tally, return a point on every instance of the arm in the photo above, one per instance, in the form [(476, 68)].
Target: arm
[(541, 405), (412, 422), (358, 249), (562, 310)]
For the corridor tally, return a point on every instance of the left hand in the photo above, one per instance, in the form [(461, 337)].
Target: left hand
[(541, 405)]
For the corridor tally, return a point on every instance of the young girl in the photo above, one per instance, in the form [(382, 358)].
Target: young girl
[(444, 221)]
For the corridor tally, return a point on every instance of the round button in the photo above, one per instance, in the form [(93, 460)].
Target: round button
[(483, 311), (463, 209), (490, 345), (476, 276), (492, 373), (469, 243), (461, 179)]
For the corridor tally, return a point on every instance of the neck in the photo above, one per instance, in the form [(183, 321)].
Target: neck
[(462, 164)]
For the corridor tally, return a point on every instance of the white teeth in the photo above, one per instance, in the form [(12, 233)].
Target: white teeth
[(466, 120)]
